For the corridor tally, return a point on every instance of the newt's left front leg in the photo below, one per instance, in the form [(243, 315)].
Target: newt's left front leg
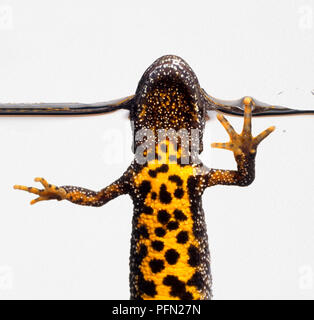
[(244, 148), (77, 195)]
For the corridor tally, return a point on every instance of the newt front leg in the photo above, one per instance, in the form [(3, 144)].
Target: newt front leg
[(244, 148), (77, 195)]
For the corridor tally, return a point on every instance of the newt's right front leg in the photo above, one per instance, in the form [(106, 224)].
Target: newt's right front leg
[(76, 195), (244, 148)]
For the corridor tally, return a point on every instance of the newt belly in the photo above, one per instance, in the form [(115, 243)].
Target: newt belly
[(169, 256)]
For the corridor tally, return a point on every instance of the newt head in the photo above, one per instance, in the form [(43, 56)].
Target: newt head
[(168, 96)]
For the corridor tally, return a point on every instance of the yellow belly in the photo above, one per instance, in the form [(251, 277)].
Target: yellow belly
[(181, 268)]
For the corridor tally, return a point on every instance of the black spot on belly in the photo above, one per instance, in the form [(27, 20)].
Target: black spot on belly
[(176, 179), (164, 195), (172, 256), (156, 265), (178, 288), (143, 231), (182, 237), (147, 209), (154, 195), (163, 216), (179, 215), (187, 296), (192, 185), (152, 173), (144, 188), (194, 255), (163, 168), (147, 287), (160, 232), (142, 252), (172, 225), (197, 281), (157, 245), (178, 193)]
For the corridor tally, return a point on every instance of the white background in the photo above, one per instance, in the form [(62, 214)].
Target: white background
[(261, 237)]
